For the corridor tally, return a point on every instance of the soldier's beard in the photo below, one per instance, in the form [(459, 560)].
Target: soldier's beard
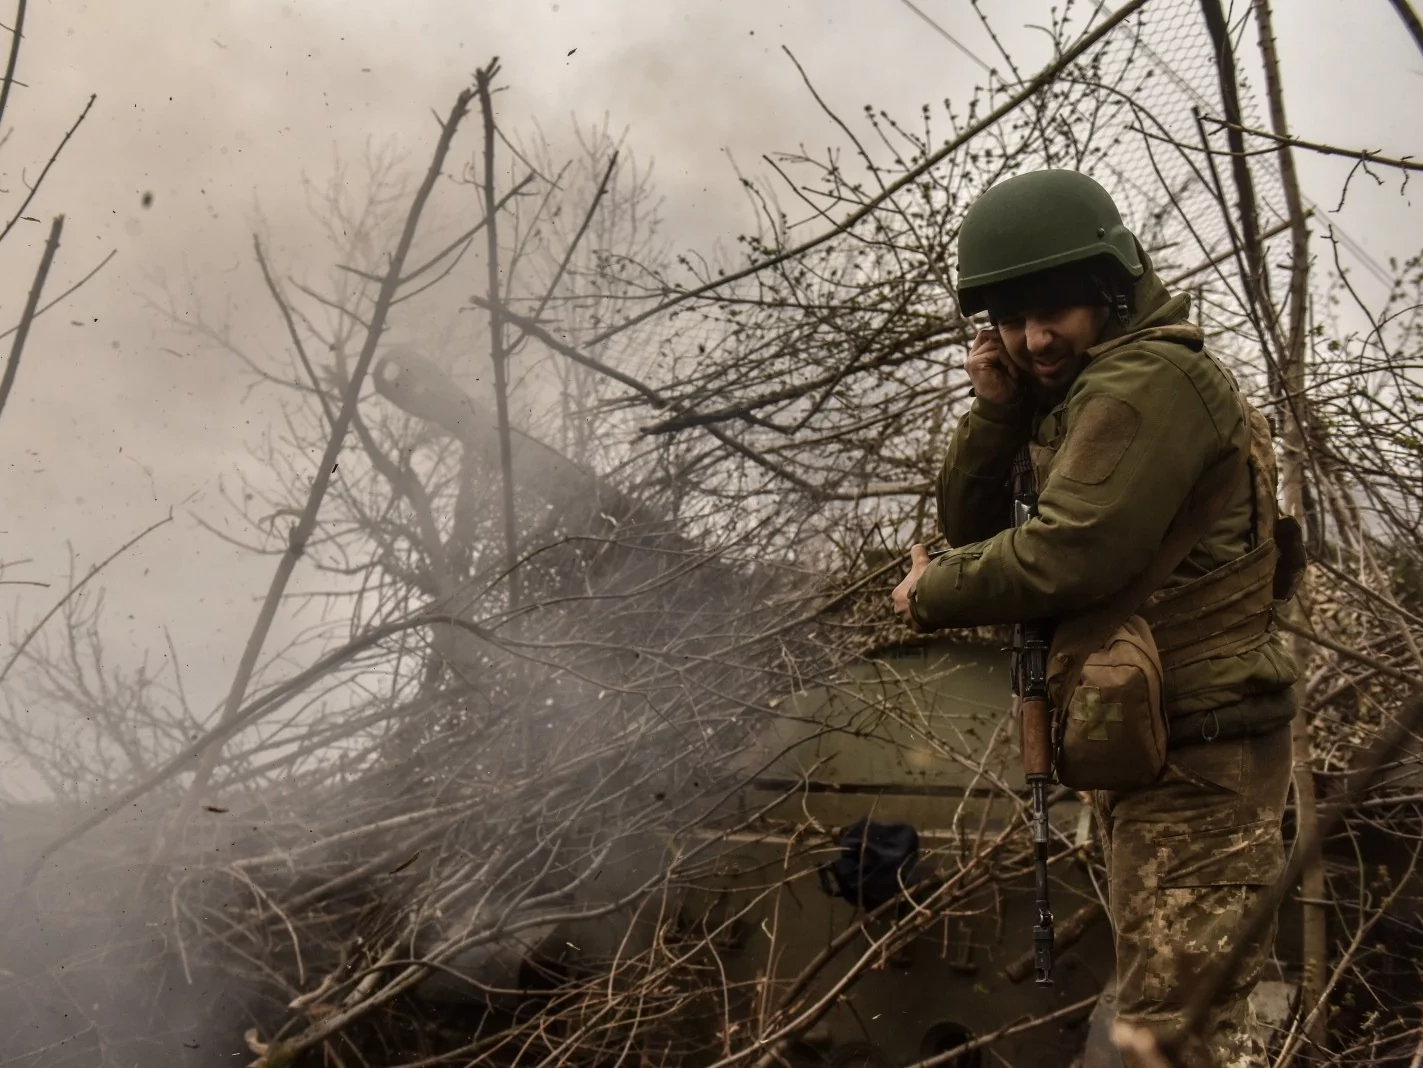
[(1049, 381)]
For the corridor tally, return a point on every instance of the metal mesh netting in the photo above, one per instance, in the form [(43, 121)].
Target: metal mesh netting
[(1173, 195), (1170, 41), (1176, 80)]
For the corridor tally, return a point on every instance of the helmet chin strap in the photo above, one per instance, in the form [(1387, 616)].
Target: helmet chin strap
[(1115, 296), (1122, 307)]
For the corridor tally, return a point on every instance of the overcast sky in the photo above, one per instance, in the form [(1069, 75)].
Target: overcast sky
[(219, 107)]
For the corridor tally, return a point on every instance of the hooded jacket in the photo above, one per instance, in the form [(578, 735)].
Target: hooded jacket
[(1115, 460)]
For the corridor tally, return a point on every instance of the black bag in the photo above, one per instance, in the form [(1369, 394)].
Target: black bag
[(876, 862)]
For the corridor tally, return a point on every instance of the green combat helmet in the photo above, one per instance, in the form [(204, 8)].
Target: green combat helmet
[(1035, 222)]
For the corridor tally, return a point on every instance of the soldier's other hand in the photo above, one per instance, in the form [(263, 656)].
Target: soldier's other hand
[(991, 372), (918, 564)]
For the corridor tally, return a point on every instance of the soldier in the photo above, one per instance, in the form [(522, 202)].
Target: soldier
[(1093, 366)]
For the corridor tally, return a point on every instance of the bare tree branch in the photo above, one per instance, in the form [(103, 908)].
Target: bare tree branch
[(1415, 27), (17, 33), (1406, 163), (306, 522), (22, 330)]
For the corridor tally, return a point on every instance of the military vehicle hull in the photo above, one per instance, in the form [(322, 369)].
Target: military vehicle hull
[(920, 736)]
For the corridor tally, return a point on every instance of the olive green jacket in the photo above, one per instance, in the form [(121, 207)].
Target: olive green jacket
[(1116, 459)]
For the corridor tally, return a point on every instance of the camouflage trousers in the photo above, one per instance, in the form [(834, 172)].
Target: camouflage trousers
[(1187, 859)]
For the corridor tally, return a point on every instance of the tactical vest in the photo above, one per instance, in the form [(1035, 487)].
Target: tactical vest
[(1231, 609)]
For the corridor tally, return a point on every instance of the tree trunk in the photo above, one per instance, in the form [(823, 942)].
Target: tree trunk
[(1257, 274), (1314, 931)]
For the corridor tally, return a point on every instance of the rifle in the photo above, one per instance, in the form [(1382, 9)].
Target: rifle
[(1030, 643)]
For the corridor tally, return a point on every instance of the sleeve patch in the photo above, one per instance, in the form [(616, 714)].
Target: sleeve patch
[(1098, 438)]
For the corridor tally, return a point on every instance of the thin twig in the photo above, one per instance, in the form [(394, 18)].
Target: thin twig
[(1311, 635), (46, 307), (577, 237), (949, 1056), (17, 34), (1406, 163), (463, 239), (69, 595), (34, 189), (22, 330), (292, 333)]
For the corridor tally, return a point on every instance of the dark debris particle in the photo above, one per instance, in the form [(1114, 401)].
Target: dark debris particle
[(147, 199)]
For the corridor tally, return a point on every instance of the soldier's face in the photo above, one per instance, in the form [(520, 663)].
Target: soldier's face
[(1047, 345)]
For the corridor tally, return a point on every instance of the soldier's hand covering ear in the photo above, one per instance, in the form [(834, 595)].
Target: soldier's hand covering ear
[(992, 373)]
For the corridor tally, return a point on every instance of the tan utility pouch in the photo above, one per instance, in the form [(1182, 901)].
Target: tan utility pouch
[(1112, 732)]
